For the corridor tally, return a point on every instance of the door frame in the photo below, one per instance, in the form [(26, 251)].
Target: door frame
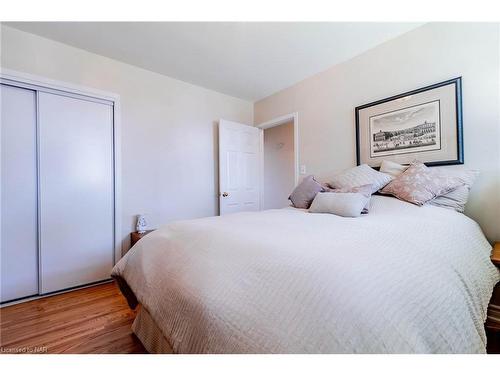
[(39, 83), (277, 121)]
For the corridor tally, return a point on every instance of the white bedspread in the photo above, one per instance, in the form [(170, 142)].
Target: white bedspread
[(403, 279)]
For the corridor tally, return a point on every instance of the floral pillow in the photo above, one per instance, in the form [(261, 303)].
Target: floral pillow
[(419, 184), (455, 199)]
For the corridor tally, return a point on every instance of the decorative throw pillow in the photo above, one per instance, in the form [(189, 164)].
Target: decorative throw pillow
[(419, 184), (342, 204), (392, 168), (304, 193), (358, 176), (457, 198), (366, 190)]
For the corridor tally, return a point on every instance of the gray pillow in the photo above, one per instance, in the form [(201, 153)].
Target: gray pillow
[(304, 193), (358, 176), (341, 204), (456, 199), (366, 190)]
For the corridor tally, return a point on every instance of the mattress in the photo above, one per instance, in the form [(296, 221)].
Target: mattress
[(402, 279)]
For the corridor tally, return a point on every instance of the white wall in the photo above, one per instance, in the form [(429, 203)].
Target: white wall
[(429, 54), (279, 167), (169, 142)]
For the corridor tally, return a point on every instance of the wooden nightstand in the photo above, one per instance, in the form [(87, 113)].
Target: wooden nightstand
[(136, 236), (493, 322), (495, 254)]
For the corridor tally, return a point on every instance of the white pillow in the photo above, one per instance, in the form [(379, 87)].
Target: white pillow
[(342, 204), (366, 190), (358, 176), (392, 168)]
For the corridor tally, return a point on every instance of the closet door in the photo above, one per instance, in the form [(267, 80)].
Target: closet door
[(76, 191), (19, 247)]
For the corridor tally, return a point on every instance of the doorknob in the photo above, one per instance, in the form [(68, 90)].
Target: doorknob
[(225, 194)]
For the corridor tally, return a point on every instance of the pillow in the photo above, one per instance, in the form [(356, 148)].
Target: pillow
[(392, 168), (366, 190), (419, 184), (304, 193), (457, 198), (358, 176), (342, 204)]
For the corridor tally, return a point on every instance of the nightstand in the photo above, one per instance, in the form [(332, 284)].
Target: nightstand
[(493, 322), (136, 236), (495, 254)]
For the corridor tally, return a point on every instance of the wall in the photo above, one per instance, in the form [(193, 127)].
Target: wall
[(426, 55), (169, 127), (169, 142), (279, 168)]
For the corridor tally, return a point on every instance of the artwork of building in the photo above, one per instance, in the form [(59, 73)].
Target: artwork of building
[(415, 131)]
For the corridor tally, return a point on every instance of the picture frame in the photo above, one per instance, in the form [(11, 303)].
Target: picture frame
[(423, 124)]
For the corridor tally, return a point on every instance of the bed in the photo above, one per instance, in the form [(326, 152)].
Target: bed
[(402, 279)]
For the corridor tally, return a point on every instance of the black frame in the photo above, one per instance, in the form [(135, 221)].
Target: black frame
[(458, 103)]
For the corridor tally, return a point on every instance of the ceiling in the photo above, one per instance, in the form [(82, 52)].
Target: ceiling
[(249, 60)]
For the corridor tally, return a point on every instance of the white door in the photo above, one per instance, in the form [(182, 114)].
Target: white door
[(76, 191), (19, 241), (239, 167)]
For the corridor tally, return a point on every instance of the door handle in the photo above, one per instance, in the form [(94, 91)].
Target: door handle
[(225, 194)]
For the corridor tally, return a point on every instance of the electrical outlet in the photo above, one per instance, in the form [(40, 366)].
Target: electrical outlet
[(303, 169)]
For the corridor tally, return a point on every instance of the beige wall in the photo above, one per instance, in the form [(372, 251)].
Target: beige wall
[(432, 53), (168, 126), (279, 169), (169, 144)]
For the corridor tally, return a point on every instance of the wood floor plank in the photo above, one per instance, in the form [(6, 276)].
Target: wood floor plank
[(91, 320)]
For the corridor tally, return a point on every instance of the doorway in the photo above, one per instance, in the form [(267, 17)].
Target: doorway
[(279, 161)]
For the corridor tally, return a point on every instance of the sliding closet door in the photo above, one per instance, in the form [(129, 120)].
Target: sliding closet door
[(76, 191), (19, 248)]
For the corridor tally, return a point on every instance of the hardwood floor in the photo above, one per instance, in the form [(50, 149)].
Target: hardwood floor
[(90, 320)]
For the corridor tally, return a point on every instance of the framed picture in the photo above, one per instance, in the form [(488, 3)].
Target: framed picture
[(423, 124)]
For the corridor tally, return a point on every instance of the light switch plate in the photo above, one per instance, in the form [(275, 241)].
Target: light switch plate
[(303, 169)]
